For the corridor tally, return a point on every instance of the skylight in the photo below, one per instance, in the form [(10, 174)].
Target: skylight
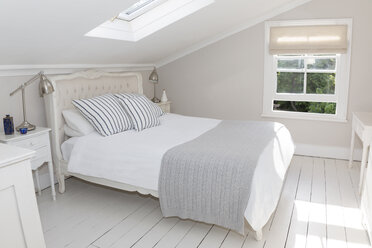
[(146, 17), (138, 9)]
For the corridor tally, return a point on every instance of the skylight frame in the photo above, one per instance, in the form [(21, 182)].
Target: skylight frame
[(134, 11), (153, 20)]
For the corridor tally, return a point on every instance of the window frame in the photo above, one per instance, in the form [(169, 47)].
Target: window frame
[(139, 10), (341, 86)]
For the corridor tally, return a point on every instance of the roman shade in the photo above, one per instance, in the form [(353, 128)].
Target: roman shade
[(318, 39)]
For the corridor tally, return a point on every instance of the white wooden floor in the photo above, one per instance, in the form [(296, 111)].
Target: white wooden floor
[(318, 208)]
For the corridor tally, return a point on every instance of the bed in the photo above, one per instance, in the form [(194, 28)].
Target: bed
[(137, 168)]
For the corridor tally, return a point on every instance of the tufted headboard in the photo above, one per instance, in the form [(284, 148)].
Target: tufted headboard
[(85, 84)]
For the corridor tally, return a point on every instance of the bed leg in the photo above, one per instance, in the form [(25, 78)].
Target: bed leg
[(258, 235), (61, 183)]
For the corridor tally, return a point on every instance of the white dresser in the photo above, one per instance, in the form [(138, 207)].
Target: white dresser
[(39, 141), (20, 225)]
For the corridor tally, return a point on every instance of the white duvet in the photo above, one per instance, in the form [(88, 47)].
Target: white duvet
[(135, 158)]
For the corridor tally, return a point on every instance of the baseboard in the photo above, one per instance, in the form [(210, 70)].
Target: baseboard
[(336, 152), (301, 149)]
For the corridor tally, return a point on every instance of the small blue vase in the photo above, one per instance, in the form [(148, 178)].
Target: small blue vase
[(23, 130), (8, 125)]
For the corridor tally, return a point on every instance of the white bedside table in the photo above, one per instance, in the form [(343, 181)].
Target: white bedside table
[(362, 126), (37, 140), (165, 106)]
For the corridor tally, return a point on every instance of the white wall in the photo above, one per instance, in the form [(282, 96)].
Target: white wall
[(35, 105), (225, 79)]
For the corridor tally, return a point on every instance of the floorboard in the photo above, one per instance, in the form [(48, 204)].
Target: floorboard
[(319, 207), (336, 232), (356, 236)]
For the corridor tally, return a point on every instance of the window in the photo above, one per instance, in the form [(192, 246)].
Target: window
[(307, 76)]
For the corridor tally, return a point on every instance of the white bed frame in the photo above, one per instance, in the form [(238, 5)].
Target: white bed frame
[(88, 84), (85, 84)]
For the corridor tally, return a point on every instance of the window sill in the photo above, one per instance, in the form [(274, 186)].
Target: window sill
[(304, 116)]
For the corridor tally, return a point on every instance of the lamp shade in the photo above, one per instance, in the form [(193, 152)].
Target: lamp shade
[(45, 86), (154, 78)]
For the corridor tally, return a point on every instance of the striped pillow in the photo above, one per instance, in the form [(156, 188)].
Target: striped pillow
[(105, 114), (152, 106), (142, 112), (128, 95)]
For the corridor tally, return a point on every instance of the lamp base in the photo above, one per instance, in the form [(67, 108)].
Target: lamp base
[(155, 100), (24, 124)]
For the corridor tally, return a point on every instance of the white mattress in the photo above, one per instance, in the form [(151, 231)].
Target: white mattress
[(135, 158)]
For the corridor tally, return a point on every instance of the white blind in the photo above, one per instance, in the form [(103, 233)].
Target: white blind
[(308, 39)]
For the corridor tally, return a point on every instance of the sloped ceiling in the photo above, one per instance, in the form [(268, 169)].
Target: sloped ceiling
[(52, 31)]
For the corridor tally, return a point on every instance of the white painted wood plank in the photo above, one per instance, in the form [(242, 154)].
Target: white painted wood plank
[(175, 235), (195, 236), (233, 239), (317, 230), (214, 238), (87, 210), (76, 185), (354, 173), (306, 178), (336, 233), (48, 211), (356, 235), (281, 223), (88, 231), (156, 233), (140, 230), (125, 226), (281, 219), (299, 220), (251, 242)]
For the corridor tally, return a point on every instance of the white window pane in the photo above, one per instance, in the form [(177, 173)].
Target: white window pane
[(321, 83), (290, 82), (291, 63), (305, 107), (321, 64)]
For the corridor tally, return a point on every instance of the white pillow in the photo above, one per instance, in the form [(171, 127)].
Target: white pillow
[(76, 124), (71, 132), (105, 114)]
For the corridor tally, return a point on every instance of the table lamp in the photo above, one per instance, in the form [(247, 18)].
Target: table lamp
[(45, 88), (154, 78)]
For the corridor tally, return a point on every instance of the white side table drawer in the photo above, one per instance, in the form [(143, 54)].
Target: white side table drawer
[(32, 142), (42, 156)]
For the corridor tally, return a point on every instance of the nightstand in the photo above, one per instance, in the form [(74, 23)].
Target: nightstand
[(37, 140), (362, 127), (165, 106)]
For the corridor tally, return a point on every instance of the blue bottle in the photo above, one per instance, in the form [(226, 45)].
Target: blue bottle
[(8, 125)]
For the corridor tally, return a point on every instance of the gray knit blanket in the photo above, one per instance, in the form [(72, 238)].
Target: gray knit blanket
[(208, 179)]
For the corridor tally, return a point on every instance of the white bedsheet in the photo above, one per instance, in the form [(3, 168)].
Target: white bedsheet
[(135, 158)]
